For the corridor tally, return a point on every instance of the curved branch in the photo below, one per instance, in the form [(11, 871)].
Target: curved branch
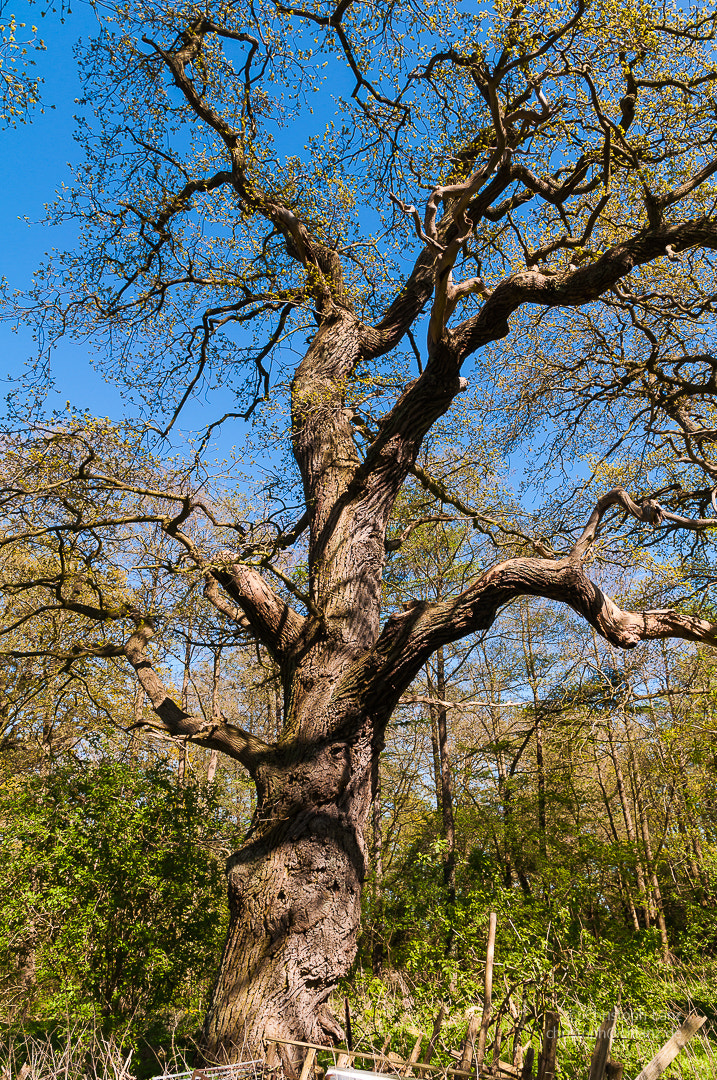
[(323, 263), (215, 735), (214, 595), (575, 287), (258, 607), (410, 637), (647, 510), (416, 291), (394, 451)]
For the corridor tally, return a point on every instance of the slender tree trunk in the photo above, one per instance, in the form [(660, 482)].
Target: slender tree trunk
[(513, 862), (46, 745), (656, 891), (440, 714), (696, 857), (183, 750), (625, 892), (694, 873), (647, 844), (504, 795), (378, 921), (695, 843), (216, 712), (436, 757), (139, 701), (540, 762), (629, 825), (539, 730)]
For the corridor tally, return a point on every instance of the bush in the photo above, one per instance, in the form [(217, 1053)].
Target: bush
[(112, 906)]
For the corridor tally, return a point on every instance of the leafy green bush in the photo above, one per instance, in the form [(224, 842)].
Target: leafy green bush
[(112, 890)]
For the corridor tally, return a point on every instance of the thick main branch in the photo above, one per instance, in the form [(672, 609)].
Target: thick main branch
[(409, 638), (255, 605)]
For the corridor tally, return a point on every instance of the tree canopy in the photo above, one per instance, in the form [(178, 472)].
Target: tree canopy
[(380, 243)]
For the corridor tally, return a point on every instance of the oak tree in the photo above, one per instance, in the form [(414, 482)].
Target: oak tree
[(346, 210)]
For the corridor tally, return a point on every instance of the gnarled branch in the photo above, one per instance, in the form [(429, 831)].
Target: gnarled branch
[(409, 638), (258, 607), (215, 735)]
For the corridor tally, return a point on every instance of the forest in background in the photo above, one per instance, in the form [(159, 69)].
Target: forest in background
[(535, 772), (506, 401)]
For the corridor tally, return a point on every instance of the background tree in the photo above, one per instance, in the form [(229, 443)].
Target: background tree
[(19, 87), (212, 251)]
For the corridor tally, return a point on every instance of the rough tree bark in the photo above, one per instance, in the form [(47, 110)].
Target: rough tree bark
[(295, 885)]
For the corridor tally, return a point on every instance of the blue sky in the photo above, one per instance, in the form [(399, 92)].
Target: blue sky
[(35, 160), (37, 157)]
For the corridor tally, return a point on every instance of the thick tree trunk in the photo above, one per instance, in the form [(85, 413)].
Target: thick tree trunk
[(295, 902)]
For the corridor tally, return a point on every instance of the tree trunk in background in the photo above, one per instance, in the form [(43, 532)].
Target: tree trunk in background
[(378, 924), (685, 815), (436, 758), (513, 862), (446, 780), (656, 891), (539, 730), (540, 763), (184, 751), (624, 890), (504, 797), (629, 825), (216, 711), (658, 907), (695, 843), (138, 709)]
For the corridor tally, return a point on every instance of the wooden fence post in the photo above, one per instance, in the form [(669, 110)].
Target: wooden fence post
[(437, 1025), (473, 1027), (466, 1058), (487, 992), (349, 1032), (603, 1043), (671, 1049), (272, 1054), (308, 1064), (526, 1072), (413, 1057), (546, 1061)]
